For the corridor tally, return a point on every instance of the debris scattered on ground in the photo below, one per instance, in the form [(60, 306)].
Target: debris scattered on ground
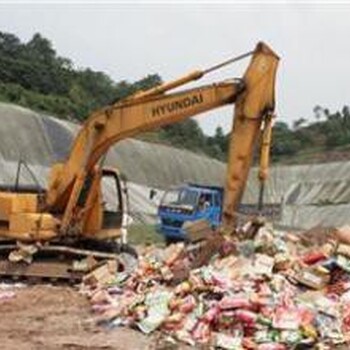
[(101, 275), (7, 291), (6, 295), (269, 292)]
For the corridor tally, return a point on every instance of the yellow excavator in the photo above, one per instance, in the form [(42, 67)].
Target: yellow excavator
[(69, 217)]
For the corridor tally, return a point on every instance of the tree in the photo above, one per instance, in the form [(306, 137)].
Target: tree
[(9, 44), (40, 49), (346, 116), (124, 89), (284, 142), (298, 123), (318, 112)]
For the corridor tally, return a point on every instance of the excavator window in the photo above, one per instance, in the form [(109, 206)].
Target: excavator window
[(110, 194), (205, 201), (111, 200)]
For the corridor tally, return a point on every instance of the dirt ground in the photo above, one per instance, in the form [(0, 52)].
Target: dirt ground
[(52, 317)]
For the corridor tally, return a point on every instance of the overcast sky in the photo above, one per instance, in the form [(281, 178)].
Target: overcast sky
[(130, 41)]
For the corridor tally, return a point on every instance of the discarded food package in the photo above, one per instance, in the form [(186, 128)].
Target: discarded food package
[(102, 275), (269, 292), (313, 278), (342, 234), (7, 295)]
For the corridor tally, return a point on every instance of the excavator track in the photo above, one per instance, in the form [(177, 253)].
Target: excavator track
[(57, 263), (38, 271)]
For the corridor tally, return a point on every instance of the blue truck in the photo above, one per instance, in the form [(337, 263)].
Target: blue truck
[(192, 202), (188, 203)]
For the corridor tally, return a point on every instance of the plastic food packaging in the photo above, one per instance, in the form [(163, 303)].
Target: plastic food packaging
[(101, 275), (327, 306), (246, 248), (343, 263), (271, 346), (329, 328), (228, 342), (7, 295), (174, 253), (101, 297), (344, 249), (183, 288), (313, 278), (309, 331), (201, 332), (286, 318), (329, 247), (187, 305), (263, 336), (210, 315), (174, 322), (263, 264), (158, 311), (246, 316), (166, 273), (282, 262), (235, 303), (313, 257), (291, 337), (343, 234)]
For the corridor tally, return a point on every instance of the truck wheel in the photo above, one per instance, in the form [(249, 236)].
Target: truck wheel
[(171, 240), (128, 261), (128, 257), (128, 249)]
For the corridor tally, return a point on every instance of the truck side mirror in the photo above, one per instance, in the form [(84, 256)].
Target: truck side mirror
[(152, 193)]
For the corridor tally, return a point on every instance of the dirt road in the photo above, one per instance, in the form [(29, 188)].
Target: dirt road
[(51, 318)]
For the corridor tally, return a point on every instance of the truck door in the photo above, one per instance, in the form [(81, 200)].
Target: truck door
[(206, 207), (216, 210)]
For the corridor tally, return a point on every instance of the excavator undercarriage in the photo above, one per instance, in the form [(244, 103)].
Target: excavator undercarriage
[(62, 262)]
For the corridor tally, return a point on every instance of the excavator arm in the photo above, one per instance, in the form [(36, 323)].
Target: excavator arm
[(253, 113), (254, 98)]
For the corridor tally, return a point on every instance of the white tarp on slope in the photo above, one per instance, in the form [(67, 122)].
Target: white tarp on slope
[(311, 194)]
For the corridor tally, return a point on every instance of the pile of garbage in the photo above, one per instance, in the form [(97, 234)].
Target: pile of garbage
[(273, 291)]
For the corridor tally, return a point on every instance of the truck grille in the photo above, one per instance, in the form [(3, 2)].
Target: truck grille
[(172, 222)]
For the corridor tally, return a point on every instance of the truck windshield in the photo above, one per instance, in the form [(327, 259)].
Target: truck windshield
[(180, 197)]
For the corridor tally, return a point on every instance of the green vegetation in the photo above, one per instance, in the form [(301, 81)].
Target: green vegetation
[(33, 75), (323, 140), (144, 234)]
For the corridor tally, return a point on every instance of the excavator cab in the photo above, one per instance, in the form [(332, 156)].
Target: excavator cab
[(115, 214)]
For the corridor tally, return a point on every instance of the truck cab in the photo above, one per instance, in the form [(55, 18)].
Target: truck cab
[(186, 203)]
